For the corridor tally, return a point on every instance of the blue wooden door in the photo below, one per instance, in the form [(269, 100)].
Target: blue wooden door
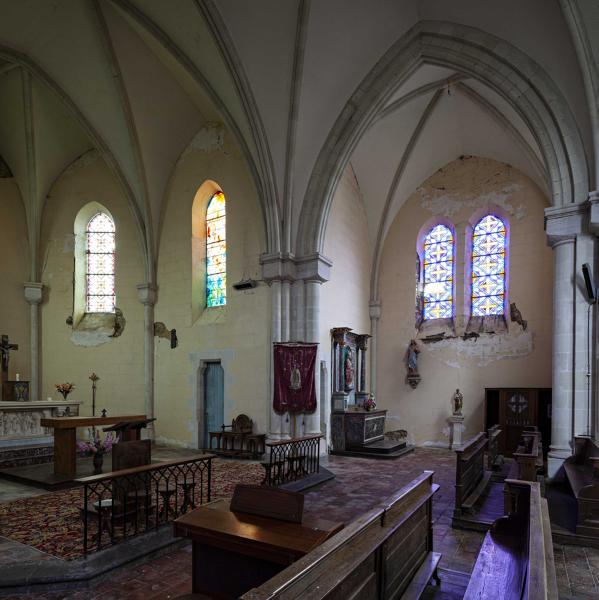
[(214, 399)]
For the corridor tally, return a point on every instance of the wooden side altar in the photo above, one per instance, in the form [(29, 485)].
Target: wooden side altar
[(65, 437), (354, 429)]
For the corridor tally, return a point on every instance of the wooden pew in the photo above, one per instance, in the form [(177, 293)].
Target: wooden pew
[(582, 471), (471, 477), (516, 558), (528, 458), (386, 554), (493, 434)]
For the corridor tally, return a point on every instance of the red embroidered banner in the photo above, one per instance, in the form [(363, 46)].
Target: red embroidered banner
[(294, 377)]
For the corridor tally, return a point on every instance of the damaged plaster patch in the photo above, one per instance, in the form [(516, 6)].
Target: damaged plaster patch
[(439, 202), (94, 329), (483, 350), (207, 139), (471, 182)]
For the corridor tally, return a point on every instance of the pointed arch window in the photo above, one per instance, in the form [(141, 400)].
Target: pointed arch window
[(438, 273), (488, 267), (216, 251), (100, 294)]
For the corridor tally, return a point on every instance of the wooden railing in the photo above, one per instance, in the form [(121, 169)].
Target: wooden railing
[(122, 504), (385, 553), (292, 459)]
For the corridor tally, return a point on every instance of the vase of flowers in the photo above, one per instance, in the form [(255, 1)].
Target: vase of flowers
[(369, 403), (97, 447), (65, 388)]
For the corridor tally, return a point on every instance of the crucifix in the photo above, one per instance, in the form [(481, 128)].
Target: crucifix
[(5, 348)]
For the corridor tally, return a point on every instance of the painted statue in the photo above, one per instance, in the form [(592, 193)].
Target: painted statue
[(412, 358), (458, 402), (348, 369)]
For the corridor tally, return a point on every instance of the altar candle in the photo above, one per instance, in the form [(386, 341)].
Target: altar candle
[(18, 377)]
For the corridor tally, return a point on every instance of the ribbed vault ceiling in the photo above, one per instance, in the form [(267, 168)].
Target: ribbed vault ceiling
[(137, 79)]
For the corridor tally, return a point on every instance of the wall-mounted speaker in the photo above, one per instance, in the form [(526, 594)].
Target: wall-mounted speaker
[(590, 284)]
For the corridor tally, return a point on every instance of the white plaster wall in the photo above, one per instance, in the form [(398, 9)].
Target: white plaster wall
[(237, 334), (119, 361), (344, 300), (14, 271), (515, 359)]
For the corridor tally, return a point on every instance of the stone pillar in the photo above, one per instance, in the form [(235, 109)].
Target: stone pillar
[(312, 287), (375, 315), (563, 226), (298, 332), (563, 358), (33, 295), (147, 293), (285, 310), (275, 418), (583, 336), (456, 429)]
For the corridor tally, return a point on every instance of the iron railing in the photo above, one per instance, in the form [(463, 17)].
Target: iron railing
[(292, 459), (122, 504)]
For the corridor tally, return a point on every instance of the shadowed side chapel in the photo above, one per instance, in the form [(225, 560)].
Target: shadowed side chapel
[(298, 299)]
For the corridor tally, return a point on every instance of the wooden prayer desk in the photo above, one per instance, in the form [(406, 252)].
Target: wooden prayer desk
[(234, 552), (65, 438)]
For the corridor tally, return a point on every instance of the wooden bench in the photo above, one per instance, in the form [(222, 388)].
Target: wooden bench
[(516, 558), (385, 554), (493, 434), (471, 477), (582, 471), (528, 458)]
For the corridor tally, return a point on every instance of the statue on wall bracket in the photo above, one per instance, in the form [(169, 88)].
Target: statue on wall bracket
[(413, 377)]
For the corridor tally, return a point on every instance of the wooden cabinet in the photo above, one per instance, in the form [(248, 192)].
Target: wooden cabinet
[(516, 408)]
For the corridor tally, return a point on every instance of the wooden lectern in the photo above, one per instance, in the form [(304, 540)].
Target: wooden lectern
[(65, 437)]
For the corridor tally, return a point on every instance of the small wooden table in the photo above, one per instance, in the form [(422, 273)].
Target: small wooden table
[(234, 552), (65, 437)]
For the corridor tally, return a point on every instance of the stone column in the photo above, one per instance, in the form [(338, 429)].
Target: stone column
[(375, 315), (312, 287), (563, 358), (275, 418), (33, 295), (285, 310), (147, 293), (563, 226)]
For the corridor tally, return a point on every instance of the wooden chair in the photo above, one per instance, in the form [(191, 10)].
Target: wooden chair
[(240, 428)]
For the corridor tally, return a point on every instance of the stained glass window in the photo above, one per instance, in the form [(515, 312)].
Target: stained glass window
[(438, 273), (99, 282), (216, 251), (488, 267)]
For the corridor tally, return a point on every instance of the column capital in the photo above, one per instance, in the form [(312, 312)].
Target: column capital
[(288, 267), (33, 292), (594, 212), (147, 293), (374, 308), (565, 223), (278, 266)]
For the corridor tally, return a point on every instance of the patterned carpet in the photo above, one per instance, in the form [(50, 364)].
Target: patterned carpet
[(52, 522)]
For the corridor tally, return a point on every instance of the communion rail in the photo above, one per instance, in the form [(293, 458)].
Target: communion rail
[(122, 504), (292, 459)]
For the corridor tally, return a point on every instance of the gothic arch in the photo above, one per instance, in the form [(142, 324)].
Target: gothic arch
[(494, 62)]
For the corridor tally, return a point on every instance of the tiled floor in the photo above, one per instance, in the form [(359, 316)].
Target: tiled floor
[(359, 485)]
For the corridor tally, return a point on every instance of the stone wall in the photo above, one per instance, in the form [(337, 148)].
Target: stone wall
[(458, 192)]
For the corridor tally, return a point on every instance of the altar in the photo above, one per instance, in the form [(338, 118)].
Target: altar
[(21, 422), (357, 427)]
